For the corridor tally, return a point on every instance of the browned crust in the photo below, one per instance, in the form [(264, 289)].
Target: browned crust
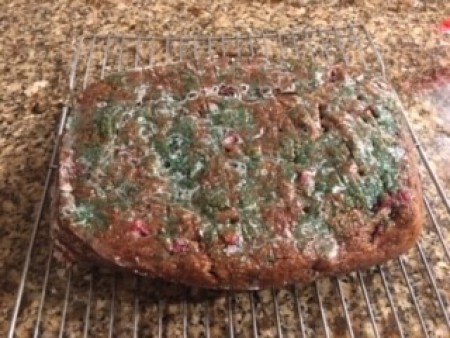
[(221, 271)]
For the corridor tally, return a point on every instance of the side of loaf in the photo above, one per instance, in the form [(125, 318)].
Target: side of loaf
[(237, 174)]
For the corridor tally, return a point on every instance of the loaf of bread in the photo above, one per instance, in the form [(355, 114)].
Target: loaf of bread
[(236, 174)]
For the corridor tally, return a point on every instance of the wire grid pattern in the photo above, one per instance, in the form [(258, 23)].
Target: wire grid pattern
[(404, 297)]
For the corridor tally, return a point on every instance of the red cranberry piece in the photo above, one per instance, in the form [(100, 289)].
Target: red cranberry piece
[(231, 238), (226, 90), (306, 181), (231, 139), (403, 196), (179, 245), (139, 227), (305, 177)]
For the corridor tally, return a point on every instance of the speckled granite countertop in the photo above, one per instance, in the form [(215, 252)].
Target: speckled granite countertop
[(37, 44)]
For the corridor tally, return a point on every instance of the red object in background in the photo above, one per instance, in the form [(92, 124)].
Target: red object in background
[(444, 26)]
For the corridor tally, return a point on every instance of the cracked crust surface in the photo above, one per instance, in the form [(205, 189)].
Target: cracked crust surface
[(316, 219)]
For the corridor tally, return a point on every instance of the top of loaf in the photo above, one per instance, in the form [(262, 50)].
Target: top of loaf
[(228, 154)]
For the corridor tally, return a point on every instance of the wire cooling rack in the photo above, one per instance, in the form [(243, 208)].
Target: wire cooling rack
[(407, 297)]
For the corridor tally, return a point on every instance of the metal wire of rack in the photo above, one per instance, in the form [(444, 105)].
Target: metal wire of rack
[(404, 297)]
